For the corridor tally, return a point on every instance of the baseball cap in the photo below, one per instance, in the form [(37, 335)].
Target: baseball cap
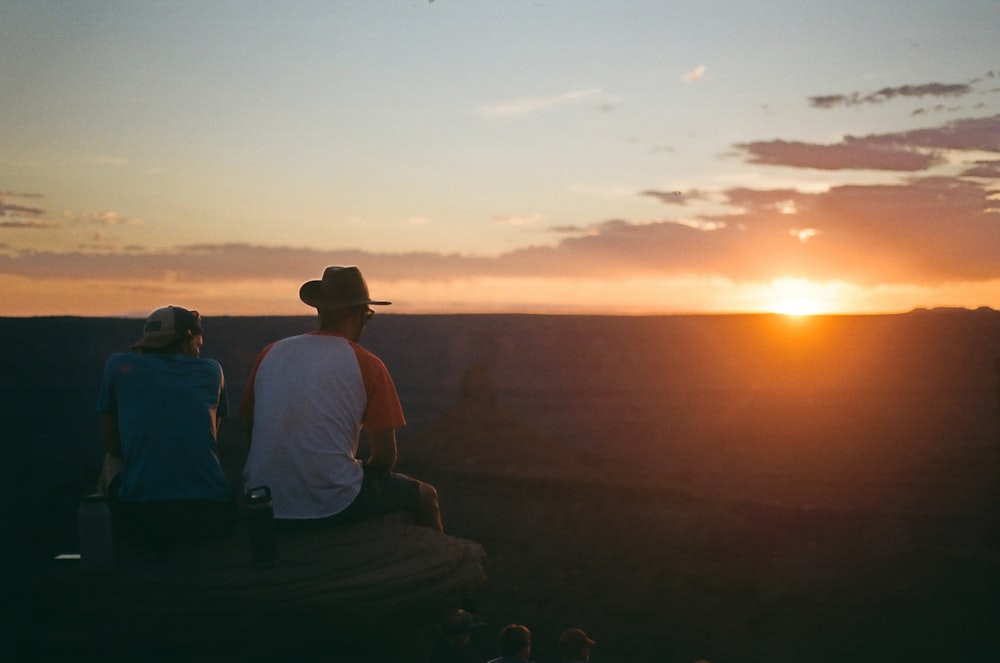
[(165, 325)]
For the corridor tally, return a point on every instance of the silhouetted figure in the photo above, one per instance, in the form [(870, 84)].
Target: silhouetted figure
[(515, 644), (456, 630), (160, 408), (305, 404), (575, 646)]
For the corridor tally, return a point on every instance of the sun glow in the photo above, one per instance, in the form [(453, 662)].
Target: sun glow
[(799, 297), (797, 308)]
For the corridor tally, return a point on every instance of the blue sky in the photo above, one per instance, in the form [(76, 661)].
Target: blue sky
[(500, 156)]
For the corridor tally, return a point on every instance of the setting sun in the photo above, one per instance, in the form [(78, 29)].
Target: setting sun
[(797, 307), (798, 297)]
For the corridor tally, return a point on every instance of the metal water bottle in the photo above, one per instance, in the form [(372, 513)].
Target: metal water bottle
[(96, 544), (260, 527)]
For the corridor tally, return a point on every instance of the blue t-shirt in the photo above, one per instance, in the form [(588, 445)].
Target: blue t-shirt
[(166, 407)]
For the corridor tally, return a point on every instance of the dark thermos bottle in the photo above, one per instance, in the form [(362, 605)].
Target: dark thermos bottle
[(260, 527)]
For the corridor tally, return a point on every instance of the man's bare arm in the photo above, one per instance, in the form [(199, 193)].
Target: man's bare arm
[(383, 450)]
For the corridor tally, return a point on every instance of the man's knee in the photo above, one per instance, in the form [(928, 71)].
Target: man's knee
[(428, 494), (429, 512)]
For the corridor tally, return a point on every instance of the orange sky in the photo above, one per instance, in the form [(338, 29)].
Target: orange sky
[(547, 157), (213, 297)]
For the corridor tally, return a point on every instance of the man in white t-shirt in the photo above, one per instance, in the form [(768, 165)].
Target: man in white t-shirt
[(305, 404)]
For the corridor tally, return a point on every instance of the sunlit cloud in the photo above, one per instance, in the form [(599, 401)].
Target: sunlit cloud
[(530, 105), (786, 206), (852, 153), (701, 224), (519, 220), (906, 151), (988, 169), (803, 234), (972, 134), (922, 231), (695, 74), (104, 218)]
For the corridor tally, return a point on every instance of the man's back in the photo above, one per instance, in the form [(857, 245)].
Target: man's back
[(167, 407), (307, 399)]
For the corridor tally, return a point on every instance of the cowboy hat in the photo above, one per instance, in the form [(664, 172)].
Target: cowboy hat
[(340, 287)]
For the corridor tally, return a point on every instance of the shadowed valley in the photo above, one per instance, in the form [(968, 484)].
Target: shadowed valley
[(731, 488)]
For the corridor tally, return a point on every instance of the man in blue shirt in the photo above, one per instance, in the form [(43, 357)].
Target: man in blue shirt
[(160, 407)]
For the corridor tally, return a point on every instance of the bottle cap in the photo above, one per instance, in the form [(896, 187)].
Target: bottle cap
[(259, 494)]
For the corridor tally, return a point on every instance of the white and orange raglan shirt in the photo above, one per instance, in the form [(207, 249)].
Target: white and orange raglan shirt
[(307, 399)]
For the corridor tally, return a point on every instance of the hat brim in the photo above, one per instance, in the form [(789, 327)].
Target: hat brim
[(310, 294)]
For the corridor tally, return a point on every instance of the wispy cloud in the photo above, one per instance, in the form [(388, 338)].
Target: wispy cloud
[(890, 93), (695, 74), (14, 216), (14, 210), (667, 197), (523, 106), (21, 225), (851, 153), (924, 231), (920, 231), (907, 151), (9, 210), (519, 220), (104, 218), (990, 169), (974, 134)]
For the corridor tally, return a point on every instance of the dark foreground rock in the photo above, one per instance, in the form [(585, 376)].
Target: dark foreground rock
[(369, 592)]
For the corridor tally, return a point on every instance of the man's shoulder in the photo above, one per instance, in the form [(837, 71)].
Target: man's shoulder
[(212, 363), (362, 350), (123, 358), (305, 343), (306, 339)]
